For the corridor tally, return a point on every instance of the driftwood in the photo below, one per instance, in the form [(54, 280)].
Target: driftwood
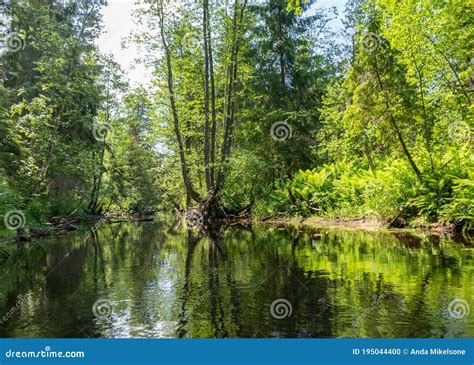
[(269, 217), (398, 221), (56, 226), (131, 219), (60, 229)]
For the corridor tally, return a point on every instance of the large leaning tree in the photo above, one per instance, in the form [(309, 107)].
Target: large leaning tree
[(194, 50)]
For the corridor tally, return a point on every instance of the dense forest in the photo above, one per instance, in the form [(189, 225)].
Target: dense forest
[(255, 109)]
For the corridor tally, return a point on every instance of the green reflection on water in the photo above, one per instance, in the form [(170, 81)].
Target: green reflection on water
[(157, 280)]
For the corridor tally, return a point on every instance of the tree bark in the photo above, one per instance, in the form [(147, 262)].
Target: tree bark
[(205, 24), (184, 166), (229, 109), (213, 102)]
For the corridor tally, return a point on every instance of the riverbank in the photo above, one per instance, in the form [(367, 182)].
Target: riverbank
[(58, 226), (161, 272), (64, 225), (361, 224)]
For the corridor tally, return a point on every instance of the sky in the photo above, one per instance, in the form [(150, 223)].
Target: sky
[(118, 24)]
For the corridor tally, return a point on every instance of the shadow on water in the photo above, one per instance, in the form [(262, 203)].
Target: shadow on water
[(158, 279)]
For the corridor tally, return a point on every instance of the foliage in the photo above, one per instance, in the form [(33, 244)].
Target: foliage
[(347, 190), (389, 115), (249, 103)]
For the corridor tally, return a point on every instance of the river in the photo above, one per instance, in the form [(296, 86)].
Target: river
[(156, 279)]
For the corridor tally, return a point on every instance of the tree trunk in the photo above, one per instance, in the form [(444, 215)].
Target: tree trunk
[(213, 101), (370, 159), (229, 109), (427, 129), (394, 125), (94, 206), (205, 24), (184, 166)]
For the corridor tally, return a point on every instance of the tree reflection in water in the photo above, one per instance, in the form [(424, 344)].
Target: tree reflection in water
[(161, 280)]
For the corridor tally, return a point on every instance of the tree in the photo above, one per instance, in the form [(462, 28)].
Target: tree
[(112, 86), (49, 101), (214, 146)]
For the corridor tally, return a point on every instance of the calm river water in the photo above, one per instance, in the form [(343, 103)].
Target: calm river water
[(154, 279)]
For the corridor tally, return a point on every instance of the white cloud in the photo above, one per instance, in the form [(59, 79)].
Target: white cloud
[(118, 24)]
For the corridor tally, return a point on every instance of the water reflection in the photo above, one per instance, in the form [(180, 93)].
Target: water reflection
[(160, 280)]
